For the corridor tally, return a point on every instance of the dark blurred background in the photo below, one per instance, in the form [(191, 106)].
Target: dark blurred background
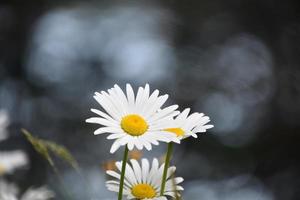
[(236, 61)]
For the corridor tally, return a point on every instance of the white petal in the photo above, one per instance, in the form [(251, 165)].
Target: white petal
[(113, 174), (183, 115), (114, 101), (192, 121), (138, 100), (113, 188), (108, 130), (146, 144), (106, 105), (171, 171), (145, 170), (130, 145), (153, 170), (150, 102), (145, 98), (115, 136), (102, 121), (121, 95), (129, 175), (120, 105), (115, 146), (130, 96), (163, 113), (104, 115), (138, 143), (137, 170), (156, 106)]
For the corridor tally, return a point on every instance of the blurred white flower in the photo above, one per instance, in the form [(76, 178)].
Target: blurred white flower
[(4, 122), (41, 193), (8, 191), (10, 160)]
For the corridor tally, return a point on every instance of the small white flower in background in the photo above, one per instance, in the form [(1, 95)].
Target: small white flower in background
[(134, 121), (4, 122), (144, 181), (8, 191), (11, 160), (185, 125), (41, 193)]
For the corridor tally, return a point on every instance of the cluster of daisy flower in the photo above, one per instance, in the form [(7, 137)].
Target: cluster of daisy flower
[(11, 161), (140, 121)]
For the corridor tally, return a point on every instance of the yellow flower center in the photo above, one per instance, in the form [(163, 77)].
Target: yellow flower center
[(134, 125), (2, 169), (143, 191), (177, 131)]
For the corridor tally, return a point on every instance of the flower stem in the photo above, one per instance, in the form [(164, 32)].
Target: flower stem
[(167, 163), (125, 157)]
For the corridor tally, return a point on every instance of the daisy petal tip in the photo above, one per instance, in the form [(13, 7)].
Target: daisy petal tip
[(128, 85), (88, 120), (112, 152), (176, 140), (130, 147), (148, 149), (176, 112)]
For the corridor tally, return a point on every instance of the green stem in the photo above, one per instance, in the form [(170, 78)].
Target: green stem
[(167, 163), (125, 157)]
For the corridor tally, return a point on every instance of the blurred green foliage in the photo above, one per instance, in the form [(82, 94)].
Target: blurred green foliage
[(46, 147)]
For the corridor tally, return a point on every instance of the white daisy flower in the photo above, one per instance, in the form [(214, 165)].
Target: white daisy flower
[(143, 181), (4, 122), (185, 125), (11, 160), (136, 121), (41, 193)]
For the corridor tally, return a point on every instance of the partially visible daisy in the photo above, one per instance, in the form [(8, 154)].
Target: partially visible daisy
[(143, 181), (11, 160), (136, 121), (4, 122), (185, 125), (40, 193)]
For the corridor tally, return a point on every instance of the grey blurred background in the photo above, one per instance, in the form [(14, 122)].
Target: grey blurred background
[(236, 61)]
